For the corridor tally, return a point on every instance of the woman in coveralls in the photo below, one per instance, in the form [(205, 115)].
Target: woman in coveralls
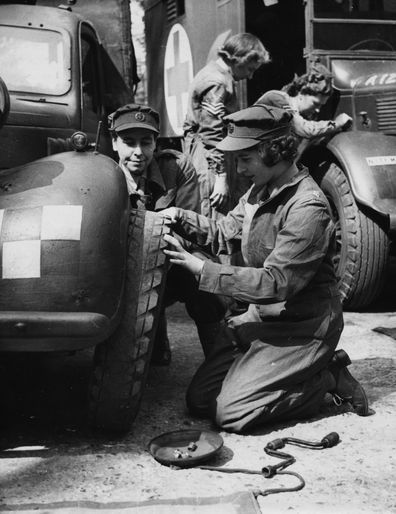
[(277, 360), (212, 95), (304, 97)]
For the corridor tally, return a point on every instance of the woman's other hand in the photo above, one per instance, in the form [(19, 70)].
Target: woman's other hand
[(178, 255), (171, 215), (221, 191), (343, 121)]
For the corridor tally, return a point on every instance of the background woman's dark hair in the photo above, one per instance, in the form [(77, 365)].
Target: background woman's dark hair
[(317, 81), (242, 48), (283, 148)]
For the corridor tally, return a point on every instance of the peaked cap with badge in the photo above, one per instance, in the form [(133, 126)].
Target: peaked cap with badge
[(248, 127), (134, 116)]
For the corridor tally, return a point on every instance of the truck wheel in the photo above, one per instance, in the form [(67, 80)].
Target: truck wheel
[(121, 363), (362, 245)]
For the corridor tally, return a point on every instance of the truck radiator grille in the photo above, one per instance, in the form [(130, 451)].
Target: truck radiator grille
[(386, 114)]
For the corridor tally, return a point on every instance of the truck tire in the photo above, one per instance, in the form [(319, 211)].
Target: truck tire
[(121, 363), (362, 244)]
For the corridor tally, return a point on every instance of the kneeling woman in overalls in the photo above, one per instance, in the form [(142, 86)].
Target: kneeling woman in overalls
[(277, 360)]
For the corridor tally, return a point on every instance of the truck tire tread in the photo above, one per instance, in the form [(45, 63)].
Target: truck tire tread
[(122, 362), (363, 245)]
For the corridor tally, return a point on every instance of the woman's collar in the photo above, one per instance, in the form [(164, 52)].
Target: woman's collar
[(291, 176)]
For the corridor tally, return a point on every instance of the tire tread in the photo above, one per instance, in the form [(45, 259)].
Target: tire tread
[(365, 254), (121, 363)]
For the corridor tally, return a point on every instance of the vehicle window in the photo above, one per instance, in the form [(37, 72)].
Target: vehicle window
[(360, 9), (356, 32), (34, 60), (364, 73), (90, 78)]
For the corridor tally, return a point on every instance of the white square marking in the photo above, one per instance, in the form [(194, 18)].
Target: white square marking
[(61, 222), (21, 259), (381, 160)]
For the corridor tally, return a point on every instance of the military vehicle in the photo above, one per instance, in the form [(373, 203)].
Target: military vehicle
[(79, 269), (356, 39)]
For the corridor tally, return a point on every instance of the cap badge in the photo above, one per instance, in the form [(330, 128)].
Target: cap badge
[(139, 116), (230, 128)]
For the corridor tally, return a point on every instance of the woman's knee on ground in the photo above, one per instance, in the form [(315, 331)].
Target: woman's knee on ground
[(230, 414), (204, 405)]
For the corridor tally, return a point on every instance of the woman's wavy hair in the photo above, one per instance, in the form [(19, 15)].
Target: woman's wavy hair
[(318, 81), (282, 148), (242, 48)]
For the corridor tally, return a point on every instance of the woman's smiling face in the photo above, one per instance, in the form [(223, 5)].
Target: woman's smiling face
[(135, 148), (250, 164)]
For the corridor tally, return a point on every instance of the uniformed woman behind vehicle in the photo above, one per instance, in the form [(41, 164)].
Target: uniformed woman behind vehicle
[(212, 96), (276, 361), (304, 97)]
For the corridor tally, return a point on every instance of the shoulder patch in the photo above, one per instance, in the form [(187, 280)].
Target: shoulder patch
[(217, 110)]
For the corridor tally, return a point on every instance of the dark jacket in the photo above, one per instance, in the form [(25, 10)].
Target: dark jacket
[(171, 182)]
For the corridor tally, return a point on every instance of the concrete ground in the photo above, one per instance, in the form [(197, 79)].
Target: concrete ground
[(48, 455)]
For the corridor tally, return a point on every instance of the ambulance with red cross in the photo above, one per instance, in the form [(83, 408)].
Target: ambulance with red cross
[(356, 39), (78, 268)]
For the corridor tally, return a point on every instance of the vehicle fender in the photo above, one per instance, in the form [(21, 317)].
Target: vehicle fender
[(63, 237), (369, 162)]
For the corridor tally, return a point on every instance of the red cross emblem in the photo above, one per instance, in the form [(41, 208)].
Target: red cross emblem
[(178, 73)]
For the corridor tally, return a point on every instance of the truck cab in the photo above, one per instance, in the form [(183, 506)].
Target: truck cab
[(60, 81), (356, 40)]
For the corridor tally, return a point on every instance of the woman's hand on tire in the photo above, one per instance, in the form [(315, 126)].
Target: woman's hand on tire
[(178, 255)]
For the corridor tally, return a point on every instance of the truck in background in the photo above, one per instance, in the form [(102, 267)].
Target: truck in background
[(356, 40)]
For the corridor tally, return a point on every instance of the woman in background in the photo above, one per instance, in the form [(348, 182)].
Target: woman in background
[(212, 96), (303, 98)]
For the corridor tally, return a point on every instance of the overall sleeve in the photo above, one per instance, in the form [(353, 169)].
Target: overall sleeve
[(212, 127), (301, 245), (307, 129), (311, 128), (215, 236)]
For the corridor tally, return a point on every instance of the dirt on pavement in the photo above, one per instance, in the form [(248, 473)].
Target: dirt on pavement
[(48, 455)]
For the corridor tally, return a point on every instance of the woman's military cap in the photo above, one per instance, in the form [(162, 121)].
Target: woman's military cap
[(248, 127), (134, 116)]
